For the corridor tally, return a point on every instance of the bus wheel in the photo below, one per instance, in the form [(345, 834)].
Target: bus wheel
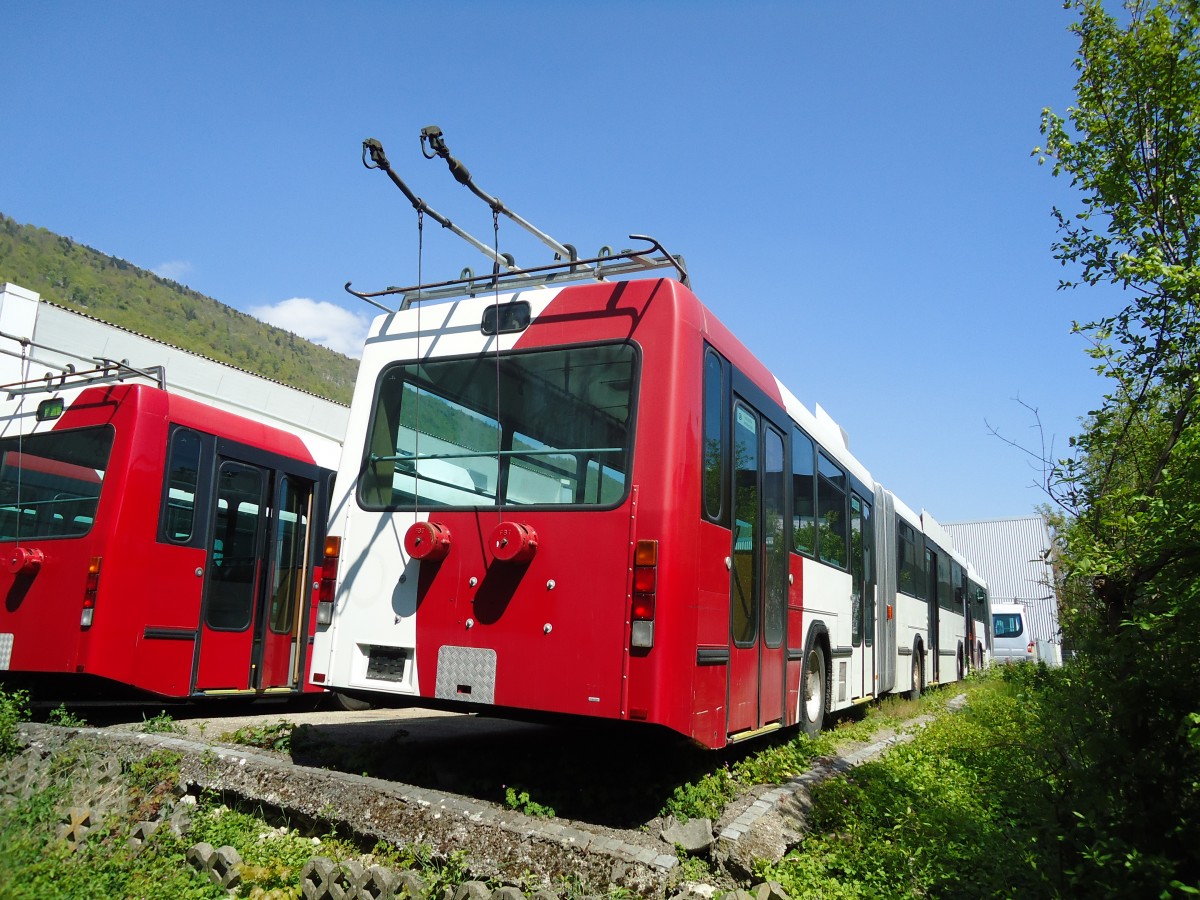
[(979, 656), (960, 662), (813, 707), (349, 704), (918, 675)]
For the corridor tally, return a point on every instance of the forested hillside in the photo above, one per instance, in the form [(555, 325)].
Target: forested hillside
[(116, 291)]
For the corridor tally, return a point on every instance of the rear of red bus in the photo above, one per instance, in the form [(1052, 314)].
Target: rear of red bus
[(120, 510), (518, 517)]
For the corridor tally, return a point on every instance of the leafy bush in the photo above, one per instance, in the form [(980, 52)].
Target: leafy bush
[(14, 709)]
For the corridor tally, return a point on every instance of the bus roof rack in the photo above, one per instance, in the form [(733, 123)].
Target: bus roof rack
[(106, 371), (604, 265)]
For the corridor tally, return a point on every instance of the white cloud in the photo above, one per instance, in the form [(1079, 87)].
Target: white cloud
[(320, 321), (175, 270)]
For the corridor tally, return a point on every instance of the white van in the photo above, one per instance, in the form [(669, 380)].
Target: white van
[(1011, 637)]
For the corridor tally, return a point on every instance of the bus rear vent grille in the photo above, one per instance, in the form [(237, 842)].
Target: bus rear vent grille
[(388, 663)]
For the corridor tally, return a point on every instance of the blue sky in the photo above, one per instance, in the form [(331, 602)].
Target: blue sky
[(850, 182)]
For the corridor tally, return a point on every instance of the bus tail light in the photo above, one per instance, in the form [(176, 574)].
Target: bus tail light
[(645, 586), (329, 573), (91, 586)]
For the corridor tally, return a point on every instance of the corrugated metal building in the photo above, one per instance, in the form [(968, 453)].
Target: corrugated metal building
[(1014, 557)]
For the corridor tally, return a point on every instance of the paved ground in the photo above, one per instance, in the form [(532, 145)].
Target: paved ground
[(210, 722)]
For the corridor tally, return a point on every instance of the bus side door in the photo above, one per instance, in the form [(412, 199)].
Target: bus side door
[(758, 573)]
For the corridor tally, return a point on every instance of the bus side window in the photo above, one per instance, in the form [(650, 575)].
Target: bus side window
[(714, 450), (804, 492), (182, 476)]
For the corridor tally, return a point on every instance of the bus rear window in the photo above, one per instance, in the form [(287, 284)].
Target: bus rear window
[(50, 482), (1007, 625), (561, 434)]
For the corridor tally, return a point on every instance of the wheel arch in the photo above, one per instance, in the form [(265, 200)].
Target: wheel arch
[(817, 636)]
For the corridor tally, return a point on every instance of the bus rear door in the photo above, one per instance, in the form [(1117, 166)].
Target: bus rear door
[(252, 614)]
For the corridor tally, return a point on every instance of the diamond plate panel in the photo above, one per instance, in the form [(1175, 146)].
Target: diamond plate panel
[(467, 674), (6, 645)]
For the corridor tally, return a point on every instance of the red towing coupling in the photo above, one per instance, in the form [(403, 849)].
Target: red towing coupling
[(427, 540), (26, 561), (514, 542)]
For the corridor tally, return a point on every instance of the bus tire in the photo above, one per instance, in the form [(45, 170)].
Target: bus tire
[(918, 675), (979, 656), (960, 663), (350, 704), (814, 699)]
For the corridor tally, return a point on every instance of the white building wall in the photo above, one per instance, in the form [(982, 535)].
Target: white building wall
[(1013, 557), (39, 338)]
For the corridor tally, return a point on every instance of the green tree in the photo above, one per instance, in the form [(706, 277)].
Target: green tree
[(1131, 490)]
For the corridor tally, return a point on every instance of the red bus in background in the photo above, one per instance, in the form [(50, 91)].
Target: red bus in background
[(593, 500), (151, 544)]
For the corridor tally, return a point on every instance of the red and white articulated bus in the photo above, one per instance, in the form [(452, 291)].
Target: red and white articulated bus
[(593, 500), (150, 544)]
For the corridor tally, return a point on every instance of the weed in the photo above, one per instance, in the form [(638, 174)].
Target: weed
[(520, 800), (704, 798), (14, 709), (161, 723), (62, 717), (152, 780), (692, 868), (275, 736)]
